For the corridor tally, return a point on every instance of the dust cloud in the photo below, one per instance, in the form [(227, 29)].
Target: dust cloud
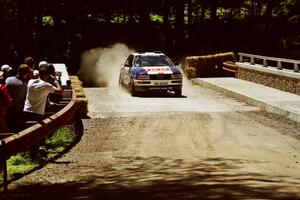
[(101, 66)]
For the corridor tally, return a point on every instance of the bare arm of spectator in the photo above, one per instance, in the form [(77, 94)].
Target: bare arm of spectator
[(58, 89)]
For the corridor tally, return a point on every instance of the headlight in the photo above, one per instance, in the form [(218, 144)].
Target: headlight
[(143, 77), (176, 76)]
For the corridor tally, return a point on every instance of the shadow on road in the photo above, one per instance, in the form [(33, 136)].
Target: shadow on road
[(163, 178), (159, 94)]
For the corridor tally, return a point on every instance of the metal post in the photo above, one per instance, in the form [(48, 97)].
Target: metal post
[(252, 60), (296, 67), (279, 65), (265, 64), (4, 166), (241, 59)]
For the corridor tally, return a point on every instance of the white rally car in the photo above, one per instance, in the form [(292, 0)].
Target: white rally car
[(150, 71)]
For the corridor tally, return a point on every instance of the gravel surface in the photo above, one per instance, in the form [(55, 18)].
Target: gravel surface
[(200, 146)]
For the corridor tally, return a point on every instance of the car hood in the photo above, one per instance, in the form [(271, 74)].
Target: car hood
[(158, 70)]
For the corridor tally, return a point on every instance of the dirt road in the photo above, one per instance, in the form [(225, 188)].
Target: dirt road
[(200, 146)]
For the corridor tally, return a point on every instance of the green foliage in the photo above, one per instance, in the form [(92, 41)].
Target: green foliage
[(47, 20), (19, 159), (121, 11), (65, 24), (19, 164), (61, 139), (156, 18)]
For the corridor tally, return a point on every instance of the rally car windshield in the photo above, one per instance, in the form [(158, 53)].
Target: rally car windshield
[(148, 61)]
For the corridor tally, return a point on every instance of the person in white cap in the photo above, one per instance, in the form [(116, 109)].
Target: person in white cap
[(7, 71), (42, 63), (36, 71), (6, 68)]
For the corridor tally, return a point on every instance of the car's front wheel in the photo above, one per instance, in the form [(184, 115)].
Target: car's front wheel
[(132, 88), (178, 93)]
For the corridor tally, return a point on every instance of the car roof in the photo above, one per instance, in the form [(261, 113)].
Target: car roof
[(152, 53)]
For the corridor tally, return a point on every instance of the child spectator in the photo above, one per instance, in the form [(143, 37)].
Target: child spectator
[(5, 103)]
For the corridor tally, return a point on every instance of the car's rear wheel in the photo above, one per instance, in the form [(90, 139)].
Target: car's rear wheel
[(120, 81)]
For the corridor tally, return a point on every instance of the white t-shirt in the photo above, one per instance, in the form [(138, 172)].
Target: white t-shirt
[(37, 94)]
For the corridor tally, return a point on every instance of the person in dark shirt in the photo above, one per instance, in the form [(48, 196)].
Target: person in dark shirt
[(17, 88)]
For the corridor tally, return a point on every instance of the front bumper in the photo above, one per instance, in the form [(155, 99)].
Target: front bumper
[(148, 85)]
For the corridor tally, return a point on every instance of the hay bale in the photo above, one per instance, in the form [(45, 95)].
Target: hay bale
[(207, 65), (82, 107), (75, 79), (80, 95), (81, 100), (191, 72)]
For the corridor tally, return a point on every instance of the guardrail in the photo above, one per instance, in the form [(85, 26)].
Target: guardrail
[(265, 59), (24, 139)]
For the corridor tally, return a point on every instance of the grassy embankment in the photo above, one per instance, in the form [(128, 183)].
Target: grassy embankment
[(21, 163)]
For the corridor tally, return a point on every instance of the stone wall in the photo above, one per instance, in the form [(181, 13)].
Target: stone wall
[(284, 83)]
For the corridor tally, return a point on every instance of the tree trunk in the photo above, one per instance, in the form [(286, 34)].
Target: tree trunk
[(179, 24), (268, 15)]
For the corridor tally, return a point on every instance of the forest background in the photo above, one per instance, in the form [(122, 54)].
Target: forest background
[(61, 30)]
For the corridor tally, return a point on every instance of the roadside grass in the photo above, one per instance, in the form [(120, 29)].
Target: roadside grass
[(21, 163), (62, 139)]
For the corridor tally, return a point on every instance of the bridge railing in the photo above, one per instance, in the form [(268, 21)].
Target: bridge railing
[(62, 113), (33, 134), (24, 139), (254, 59)]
